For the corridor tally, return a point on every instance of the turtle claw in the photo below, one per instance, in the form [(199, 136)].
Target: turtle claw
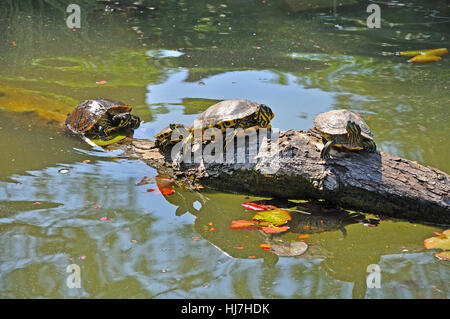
[(370, 146), (325, 153)]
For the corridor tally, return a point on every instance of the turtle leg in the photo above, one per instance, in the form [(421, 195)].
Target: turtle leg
[(229, 137), (104, 128), (369, 145), (101, 133), (325, 153)]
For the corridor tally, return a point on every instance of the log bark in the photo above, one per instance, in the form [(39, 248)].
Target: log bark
[(377, 183)]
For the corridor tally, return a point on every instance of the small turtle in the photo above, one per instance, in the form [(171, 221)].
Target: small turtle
[(170, 135), (342, 128), (101, 118)]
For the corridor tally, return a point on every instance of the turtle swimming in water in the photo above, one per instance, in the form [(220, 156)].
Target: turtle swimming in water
[(344, 129), (101, 118), (234, 113)]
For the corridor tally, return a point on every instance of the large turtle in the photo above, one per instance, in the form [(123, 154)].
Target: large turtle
[(234, 113), (100, 118), (342, 128)]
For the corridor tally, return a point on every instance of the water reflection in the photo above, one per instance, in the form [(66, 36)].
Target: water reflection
[(170, 67)]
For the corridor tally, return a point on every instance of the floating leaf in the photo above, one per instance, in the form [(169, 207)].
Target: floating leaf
[(438, 52), (239, 247), (265, 246), (257, 207), (442, 241), (163, 181), (295, 248), (166, 191), (145, 180), (273, 217), (445, 255), (104, 218), (425, 58), (96, 207), (37, 203), (101, 82), (274, 229), (242, 224), (113, 140)]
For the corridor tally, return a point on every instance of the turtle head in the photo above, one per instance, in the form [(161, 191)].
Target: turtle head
[(264, 115), (354, 132), (126, 120)]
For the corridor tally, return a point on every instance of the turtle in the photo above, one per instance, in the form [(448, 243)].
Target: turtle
[(344, 129), (101, 118), (233, 113), (169, 135)]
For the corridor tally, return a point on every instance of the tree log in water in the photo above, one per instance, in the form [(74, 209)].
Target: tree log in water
[(377, 183)]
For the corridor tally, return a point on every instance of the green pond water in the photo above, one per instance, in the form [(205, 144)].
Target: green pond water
[(171, 60)]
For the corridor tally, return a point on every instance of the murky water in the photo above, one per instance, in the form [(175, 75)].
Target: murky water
[(171, 60)]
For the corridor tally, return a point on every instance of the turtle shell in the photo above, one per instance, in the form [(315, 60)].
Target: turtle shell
[(165, 132), (334, 123), (228, 110), (89, 112)]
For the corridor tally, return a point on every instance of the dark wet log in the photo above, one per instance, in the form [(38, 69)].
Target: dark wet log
[(377, 183)]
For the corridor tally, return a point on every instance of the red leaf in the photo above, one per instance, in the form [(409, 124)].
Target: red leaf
[(101, 82), (303, 236), (242, 224), (166, 191), (96, 207), (239, 247), (273, 230), (150, 190), (257, 207), (163, 181), (144, 180), (104, 218), (37, 203)]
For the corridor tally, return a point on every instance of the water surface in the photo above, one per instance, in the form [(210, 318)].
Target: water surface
[(171, 60)]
